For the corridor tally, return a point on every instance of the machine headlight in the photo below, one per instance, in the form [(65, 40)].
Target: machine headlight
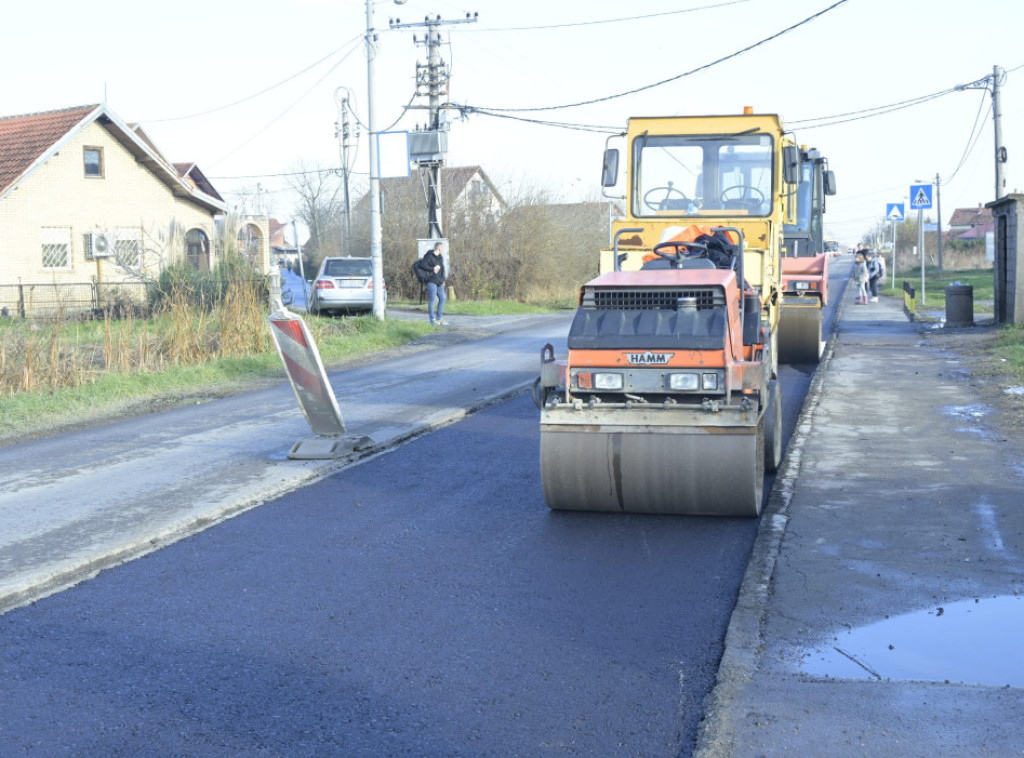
[(683, 381), (803, 285), (605, 381), (709, 381)]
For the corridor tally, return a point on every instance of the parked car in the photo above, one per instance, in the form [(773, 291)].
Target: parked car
[(343, 285)]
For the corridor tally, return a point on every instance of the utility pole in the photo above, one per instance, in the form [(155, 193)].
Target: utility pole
[(432, 82), (376, 234), (992, 84), (343, 134), (938, 211), (997, 121)]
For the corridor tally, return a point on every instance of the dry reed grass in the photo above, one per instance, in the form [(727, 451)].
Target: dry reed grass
[(67, 353)]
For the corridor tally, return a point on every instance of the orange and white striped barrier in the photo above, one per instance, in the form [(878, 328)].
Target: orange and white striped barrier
[(316, 398)]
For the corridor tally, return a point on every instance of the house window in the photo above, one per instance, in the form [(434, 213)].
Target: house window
[(56, 247), (128, 246), (94, 161), (197, 249)]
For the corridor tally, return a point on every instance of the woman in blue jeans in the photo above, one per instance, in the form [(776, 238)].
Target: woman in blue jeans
[(432, 264)]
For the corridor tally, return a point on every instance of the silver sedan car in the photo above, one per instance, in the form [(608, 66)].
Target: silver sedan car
[(343, 284)]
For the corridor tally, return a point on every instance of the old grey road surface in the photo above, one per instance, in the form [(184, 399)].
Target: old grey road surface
[(77, 503)]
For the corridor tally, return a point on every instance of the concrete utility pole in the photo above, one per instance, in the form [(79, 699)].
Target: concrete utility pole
[(343, 133), (376, 234), (938, 211), (432, 82), (992, 84), (997, 120)]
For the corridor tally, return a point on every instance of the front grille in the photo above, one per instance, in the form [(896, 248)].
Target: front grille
[(627, 299)]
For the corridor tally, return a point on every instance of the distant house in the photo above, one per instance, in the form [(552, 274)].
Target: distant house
[(970, 223), (84, 195), (464, 191), (280, 248)]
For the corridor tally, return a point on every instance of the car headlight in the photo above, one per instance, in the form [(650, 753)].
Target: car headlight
[(607, 381), (683, 381)]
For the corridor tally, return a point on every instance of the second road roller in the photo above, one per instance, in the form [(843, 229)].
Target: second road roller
[(668, 400), (805, 263)]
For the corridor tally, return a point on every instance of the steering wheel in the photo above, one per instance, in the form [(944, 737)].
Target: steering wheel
[(746, 195), (683, 250), (662, 205)]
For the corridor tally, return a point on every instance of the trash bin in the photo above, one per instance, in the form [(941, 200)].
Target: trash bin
[(959, 305)]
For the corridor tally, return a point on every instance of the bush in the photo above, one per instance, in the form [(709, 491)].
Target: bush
[(204, 289)]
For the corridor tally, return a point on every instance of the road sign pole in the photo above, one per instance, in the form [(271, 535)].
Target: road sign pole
[(920, 245), (892, 271)]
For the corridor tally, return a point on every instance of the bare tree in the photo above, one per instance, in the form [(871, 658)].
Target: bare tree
[(534, 250), (320, 208)]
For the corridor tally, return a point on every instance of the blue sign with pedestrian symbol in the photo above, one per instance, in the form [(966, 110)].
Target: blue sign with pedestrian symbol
[(894, 212), (920, 197)]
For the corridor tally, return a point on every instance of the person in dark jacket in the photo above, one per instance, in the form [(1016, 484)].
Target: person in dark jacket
[(874, 274), (432, 264)]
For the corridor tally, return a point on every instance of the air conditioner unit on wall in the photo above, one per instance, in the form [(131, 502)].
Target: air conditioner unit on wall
[(99, 245)]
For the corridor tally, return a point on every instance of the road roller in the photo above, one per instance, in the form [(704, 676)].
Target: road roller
[(805, 263), (668, 400)]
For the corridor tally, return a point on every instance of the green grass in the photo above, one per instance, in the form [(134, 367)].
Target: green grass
[(116, 393), (935, 283), (1009, 346)]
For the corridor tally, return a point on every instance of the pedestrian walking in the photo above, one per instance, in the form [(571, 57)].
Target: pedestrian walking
[(431, 265), (860, 278)]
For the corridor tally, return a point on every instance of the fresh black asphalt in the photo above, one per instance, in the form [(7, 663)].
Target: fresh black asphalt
[(425, 603)]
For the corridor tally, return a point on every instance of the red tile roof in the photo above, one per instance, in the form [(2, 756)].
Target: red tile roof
[(190, 172), (24, 138), (970, 216)]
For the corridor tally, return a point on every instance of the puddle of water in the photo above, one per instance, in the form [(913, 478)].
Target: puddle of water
[(968, 642), (975, 411)]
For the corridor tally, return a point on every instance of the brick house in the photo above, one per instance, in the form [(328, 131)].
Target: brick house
[(465, 191), (970, 223), (85, 196)]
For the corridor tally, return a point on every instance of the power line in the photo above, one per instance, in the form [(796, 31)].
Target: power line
[(261, 92), (308, 172), (880, 110), (543, 122), (283, 113), (605, 20), (704, 67), (975, 135)]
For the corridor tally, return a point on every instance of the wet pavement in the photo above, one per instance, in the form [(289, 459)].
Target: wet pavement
[(883, 609)]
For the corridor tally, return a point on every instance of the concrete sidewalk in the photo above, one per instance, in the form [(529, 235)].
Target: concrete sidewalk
[(883, 609)]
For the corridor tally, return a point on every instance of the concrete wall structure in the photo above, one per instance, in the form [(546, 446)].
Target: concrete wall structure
[(1009, 259)]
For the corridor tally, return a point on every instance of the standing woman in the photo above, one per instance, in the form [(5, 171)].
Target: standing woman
[(860, 278)]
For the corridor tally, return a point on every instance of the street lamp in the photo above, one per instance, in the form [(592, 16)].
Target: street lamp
[(375, 226)]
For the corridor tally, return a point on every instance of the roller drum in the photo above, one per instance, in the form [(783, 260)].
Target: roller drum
[(713, 471), (800, 333)]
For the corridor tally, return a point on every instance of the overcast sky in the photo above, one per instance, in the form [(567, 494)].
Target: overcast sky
[(249, 90)]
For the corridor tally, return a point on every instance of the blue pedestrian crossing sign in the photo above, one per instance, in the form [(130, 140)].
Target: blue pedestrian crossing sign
[(920, 197), (894, 212)]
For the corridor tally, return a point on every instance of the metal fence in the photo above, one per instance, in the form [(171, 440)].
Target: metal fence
[(73, 300), (80, 300)]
